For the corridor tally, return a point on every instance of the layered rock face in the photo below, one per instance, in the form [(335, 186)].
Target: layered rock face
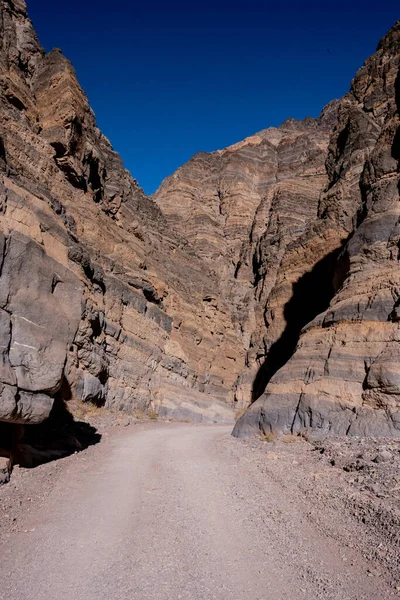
[(264, 272), (98, 300), (241, 208), (344, 375)]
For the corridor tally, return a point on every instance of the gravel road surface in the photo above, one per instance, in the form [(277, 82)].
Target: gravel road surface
[(178, 512)]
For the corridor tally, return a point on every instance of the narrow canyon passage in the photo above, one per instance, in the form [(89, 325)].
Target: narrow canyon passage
[(177, 511)]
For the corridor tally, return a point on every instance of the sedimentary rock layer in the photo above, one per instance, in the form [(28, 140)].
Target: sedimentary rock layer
[(242, 208), (99, 301), (265, 272), (344, 375)]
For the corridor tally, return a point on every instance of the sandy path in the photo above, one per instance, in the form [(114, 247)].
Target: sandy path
[(174, 513)]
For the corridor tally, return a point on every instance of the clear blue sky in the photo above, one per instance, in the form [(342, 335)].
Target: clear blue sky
[(168, 79)]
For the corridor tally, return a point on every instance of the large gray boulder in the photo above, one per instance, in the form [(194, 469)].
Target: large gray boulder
[(40, 308)]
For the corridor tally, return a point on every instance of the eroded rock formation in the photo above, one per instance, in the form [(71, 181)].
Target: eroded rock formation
[(267, 271), (242, 208), (99, 301), (344, 375)]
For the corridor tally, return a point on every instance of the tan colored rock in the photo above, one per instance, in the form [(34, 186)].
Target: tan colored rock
[(128, 322), (243, 209), (270, 264), (45, 313), (343, 377)]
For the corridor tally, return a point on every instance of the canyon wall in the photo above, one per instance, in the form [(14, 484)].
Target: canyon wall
[(306, 217), (264, 273), (242, 208), (344, 375), (99, 300)]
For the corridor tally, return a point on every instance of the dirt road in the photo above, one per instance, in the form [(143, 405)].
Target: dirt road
[(178, 512)]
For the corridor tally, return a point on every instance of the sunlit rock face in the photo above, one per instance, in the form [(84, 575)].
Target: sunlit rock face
[(344, 375), (99, 300), (243, 209), (266, 271)]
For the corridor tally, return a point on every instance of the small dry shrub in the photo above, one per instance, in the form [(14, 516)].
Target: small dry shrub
[(268, 437), (139, 414), (85, 410), (153, 414)]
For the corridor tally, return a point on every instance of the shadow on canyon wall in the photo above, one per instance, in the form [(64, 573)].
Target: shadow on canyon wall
[(313, 292), (311, 296)]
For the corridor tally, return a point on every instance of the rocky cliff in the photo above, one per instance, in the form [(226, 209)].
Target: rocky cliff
[(306, 217), (264, 272), (242, 208), (343, 376), (99, 301)]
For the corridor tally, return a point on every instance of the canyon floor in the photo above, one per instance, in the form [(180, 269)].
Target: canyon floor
[(176, 511)]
